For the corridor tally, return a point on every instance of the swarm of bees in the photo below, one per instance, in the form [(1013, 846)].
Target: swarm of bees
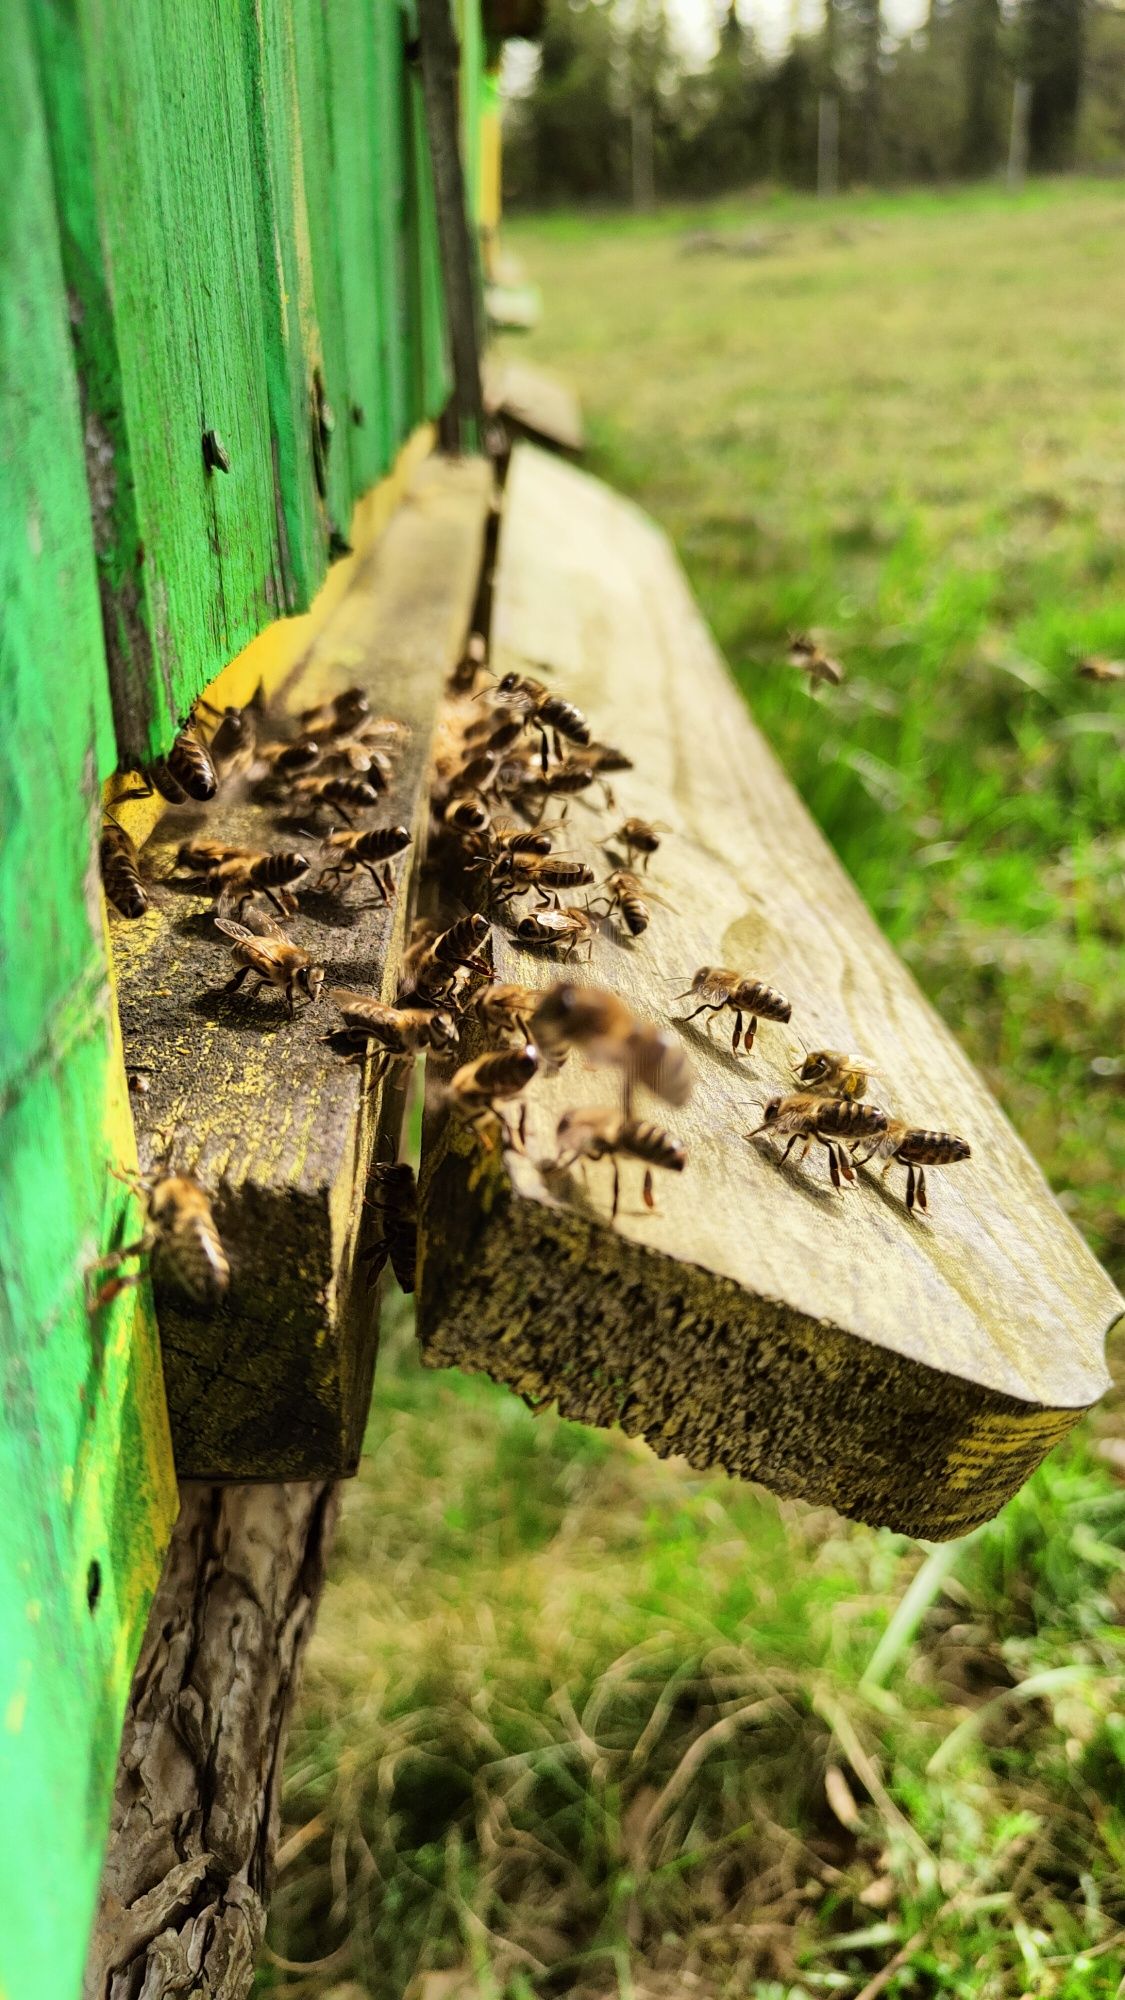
[(513, 758)]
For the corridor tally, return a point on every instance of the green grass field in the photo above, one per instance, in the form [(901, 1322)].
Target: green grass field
[(580, 1721)]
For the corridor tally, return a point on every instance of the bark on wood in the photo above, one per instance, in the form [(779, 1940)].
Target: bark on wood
[(183, 1898), (909, 1370), (275, 1126)]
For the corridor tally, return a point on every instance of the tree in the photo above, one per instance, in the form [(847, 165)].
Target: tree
[(982, 132), (1053, 38)]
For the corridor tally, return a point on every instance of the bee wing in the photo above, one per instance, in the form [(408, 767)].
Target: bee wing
[(233, 930)]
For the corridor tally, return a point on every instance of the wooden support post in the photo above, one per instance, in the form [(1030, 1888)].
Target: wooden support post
[(195, 1813), (276, 1384), (440, 68), (911, 1370)]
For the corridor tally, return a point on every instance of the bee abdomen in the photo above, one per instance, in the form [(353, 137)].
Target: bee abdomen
[(191, 767), (121, 872), (563, 716), (932, 1149), (274, 869), (754, 997), (652, 1144), (381, 842), (846, 1118), (198, 1259)]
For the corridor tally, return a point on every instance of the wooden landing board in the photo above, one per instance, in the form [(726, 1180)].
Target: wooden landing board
[(258, 1108), (908, 1371), (537, 403)]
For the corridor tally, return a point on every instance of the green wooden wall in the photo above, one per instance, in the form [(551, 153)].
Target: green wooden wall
[(217, 215)]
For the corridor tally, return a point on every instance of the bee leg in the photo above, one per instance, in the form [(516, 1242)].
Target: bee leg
[(334, 806), (616, 1190), (388, 881), (233, 984), (544, 749), (98, 1296), (647, 1195), (737, 1031), (705, 1007), (910, 1189), (789, 1149), (920, 1189), (748, 1037), (521, 1128), (833, 1164), (279, 906), (845, 1164)]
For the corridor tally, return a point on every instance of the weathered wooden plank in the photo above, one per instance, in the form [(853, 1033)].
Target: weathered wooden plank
[(442, 79), (154, 171), (534, 402), (431, 377), (86, 1491), (909, 1370), (183, 1897), (276, 1384)]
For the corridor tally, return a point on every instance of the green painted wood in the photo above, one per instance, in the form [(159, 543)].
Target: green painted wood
[(431, 375), (329, 339), (470, 32), (148, 104), (86, 1493), (288, 306)]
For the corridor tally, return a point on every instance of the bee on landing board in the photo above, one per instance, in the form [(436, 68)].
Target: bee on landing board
[(832, 1122), (716, 987), (395, 1203), (623, 894), (831, 1073), (348, 852), (547, 712), (238, 873), (121, 871), (187, 771), (516, 871), (478, 1088), (341, 716), (399, 1033), (603, 1135), (435, 959), (640, 836), (557, 929), (343, 796), (272, 961), (180, 1239), (915, 1149)]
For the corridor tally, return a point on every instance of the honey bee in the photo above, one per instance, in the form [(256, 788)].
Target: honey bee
[(442, 953), (180, 1239), (640, 836), (514, 872), (833, 1122), (590, 1018), (352, 851), (1095, 668), (831, 1073), (340, 795), (602, 1135), (717, 987), (506, 837), (495, 738), (234, 735), (915, 1149), (337, 717), (185, 773), (534, 790), (272, 961), (806, 653), (479, 1087), (470, 664), (545, 711), (506, 1009), (399, 1033), (237, 873), (121, 870), (602, 758), (291, 760), (465, 815), (346, 754), (396, 1205), (559, 929), (623, 893)]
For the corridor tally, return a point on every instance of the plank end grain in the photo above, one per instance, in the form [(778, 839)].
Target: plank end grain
[(908, 1370), (276, 1383)]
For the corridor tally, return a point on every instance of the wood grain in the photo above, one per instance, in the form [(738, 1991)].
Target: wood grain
[(276, 1385), (535, 403), (183, 1897), (909, 1370)]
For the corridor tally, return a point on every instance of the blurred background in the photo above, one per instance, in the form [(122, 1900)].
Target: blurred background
[(577, 1720)]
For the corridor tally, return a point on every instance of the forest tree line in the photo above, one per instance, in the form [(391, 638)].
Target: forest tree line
[(613, 111)]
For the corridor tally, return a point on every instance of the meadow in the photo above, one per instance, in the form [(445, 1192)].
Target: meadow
[(579, 1721)]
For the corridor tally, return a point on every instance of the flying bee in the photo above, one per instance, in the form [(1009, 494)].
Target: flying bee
[(479, 1087), (506, 1009), (915, 1149), (640, 836), (434, 969), (833, 1122), (180, 1238), (716, 987), (399, 1033), (809, 656), (291, 760), (515, 872), (545, 711), (121, 870), (234, 735), (602, 758), (623, 893), (602, 1135), (338, 717), (831, 1073), (352, 851), (395, 1203), (1095, 668), (272, 961), (563, 929), (595, 1021), (340, 795), (241, 873), (534, 790)]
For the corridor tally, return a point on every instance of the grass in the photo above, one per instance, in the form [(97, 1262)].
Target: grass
[(580, 1721)]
